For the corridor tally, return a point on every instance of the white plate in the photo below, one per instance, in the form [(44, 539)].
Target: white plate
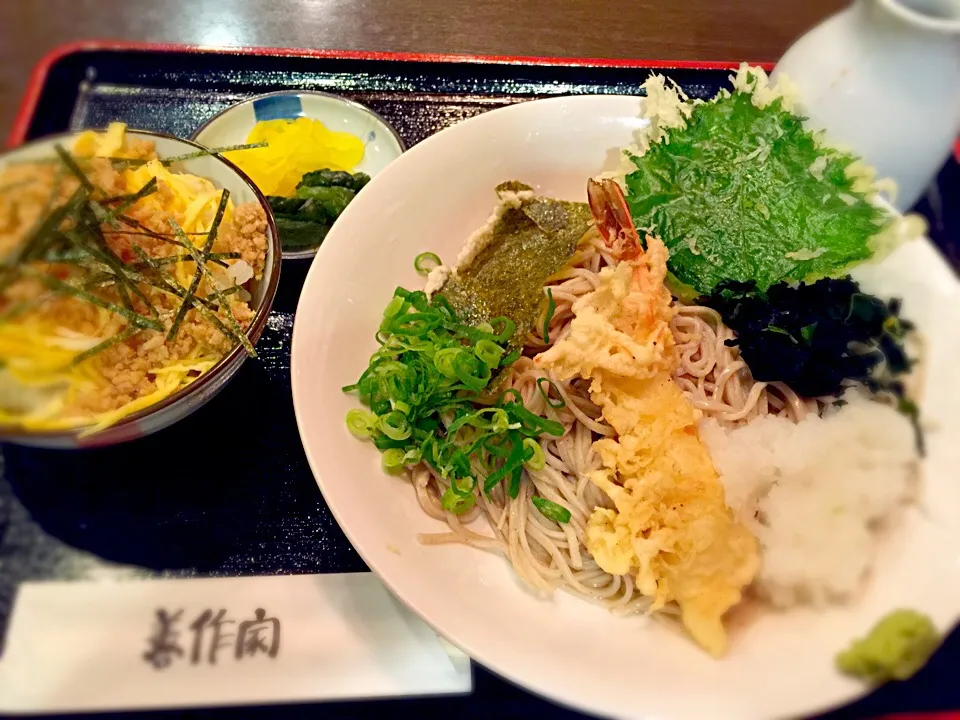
[(432, 198)]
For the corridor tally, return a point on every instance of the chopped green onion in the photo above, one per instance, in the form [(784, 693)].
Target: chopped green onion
[(551, 510), (393, 459), (427, 389), (510, 393), (555, 404), (457, 504), (470, 371), (513, 489), (361, 423), (422, 258), (509, 328), (463, 485), (443, 361), (395, 426), (488, 352), (393, 308), (537, 460), (511, 358), (551, 309)]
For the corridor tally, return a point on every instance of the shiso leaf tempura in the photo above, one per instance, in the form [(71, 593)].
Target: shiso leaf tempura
[(740, 190)]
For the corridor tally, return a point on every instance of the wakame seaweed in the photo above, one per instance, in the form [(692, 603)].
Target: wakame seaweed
[(525, 246), (816, 336)]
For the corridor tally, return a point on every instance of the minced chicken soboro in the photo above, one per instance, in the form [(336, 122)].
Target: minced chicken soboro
[(43, 331)]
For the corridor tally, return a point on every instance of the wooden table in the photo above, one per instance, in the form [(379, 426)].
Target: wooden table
[(657, 29)]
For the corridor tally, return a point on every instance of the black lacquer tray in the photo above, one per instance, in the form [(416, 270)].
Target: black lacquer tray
[(249, 505)]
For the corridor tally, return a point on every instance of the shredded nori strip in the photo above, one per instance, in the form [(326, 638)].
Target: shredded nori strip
[(110, 215), (171, 238), (201, 305), (200, 260), (106, 277), (37, 242), (71, 164), (57, 285), (16, 185), (102, 252), (178, 291), (239, 332), (116, 339), (129, 162), (19, 308)]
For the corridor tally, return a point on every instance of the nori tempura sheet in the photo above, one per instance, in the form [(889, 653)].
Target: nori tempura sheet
[(528, 245)]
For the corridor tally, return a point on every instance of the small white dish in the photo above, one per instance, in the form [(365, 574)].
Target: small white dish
[(382, 144), (565, 648)]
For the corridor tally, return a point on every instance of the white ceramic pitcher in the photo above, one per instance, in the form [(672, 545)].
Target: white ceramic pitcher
[(883, 78)]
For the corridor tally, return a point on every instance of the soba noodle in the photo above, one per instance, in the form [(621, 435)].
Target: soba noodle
[(547, 555)]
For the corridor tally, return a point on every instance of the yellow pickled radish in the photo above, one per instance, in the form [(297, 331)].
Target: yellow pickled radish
[(295, 147)]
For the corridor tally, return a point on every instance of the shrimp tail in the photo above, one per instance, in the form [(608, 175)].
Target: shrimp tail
[(611, 215)]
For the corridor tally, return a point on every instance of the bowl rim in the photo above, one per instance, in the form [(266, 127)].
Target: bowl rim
[(306, 253), (254, 330)]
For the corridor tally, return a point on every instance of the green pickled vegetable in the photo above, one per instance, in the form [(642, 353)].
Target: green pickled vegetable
[(428, 392), (304, 221), (895, 649), (524, 247), (284, 205), (325, 202), (334, 178), (299, 234)]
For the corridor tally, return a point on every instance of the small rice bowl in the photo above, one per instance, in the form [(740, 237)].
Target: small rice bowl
[(817, 494)]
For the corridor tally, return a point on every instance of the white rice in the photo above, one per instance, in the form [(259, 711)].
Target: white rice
[(817, 494)]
